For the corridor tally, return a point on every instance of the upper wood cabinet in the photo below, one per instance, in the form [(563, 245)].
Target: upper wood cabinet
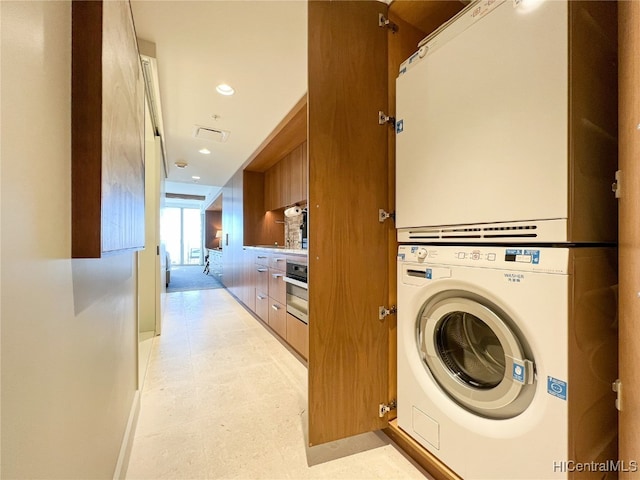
[(285, 183), (297, 161), (281, 158)]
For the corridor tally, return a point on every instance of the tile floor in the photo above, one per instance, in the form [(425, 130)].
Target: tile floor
[(223, 398)]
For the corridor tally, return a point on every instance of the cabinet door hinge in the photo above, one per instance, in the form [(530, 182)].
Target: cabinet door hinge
[(383, 215), (617, 387), (385, 408), (384, 119), (615, 186), (383, 312), (384, 22)]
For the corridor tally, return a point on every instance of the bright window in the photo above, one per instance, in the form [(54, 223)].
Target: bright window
[(182, 235)]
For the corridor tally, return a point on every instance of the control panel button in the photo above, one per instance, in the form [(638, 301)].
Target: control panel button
[(462, 255), (421, 253), (491, 257)]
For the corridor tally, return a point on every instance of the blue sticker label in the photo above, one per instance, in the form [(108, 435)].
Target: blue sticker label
[(428, 273), (523, 256), (557, 388), (399, 126), (535, 256), (401, 256), (518, 372)]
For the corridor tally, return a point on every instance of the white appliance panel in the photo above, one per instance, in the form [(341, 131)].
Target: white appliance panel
[(483, 120), (516, 280)]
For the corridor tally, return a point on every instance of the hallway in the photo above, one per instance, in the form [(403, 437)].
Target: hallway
[(223, 398)]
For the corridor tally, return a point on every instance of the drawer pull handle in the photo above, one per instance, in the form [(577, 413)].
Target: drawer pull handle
[(275, 307), (260, 256), (279, 259), (277, 275), (261, 297), (262, 270)]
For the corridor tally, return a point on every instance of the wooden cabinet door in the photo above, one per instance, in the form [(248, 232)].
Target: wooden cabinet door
[(296, 194), (261, 278), (348, 262), (629, 236), (304, 164), (298, 335), (278, 317)]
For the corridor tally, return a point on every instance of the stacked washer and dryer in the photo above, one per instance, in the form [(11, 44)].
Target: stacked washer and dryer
[(507, 268)]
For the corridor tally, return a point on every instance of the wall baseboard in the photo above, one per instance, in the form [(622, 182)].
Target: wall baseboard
[(127, 441)]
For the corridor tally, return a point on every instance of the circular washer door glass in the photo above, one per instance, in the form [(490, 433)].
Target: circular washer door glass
[(471, 350), (475, 354)]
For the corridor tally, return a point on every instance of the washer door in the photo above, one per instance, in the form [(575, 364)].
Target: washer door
[(475, 356)]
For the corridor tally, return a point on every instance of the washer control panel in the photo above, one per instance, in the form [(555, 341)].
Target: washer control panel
[(543, 259)]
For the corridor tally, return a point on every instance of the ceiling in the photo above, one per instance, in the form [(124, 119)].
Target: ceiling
[(257, 47)]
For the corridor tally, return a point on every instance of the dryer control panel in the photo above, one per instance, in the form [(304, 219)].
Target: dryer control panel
[(531, 259)]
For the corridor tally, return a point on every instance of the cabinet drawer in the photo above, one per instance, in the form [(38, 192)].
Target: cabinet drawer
[(278, 318), (262, 306), (277, 286), (261, 278), (262, 258), (278, 261), (298, 335)]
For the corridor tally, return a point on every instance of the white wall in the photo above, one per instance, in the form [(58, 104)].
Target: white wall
[(68, 334)]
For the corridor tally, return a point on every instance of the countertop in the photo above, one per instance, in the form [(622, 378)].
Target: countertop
[(291, 251)]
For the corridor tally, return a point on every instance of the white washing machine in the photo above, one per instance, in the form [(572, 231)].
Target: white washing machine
[(484, 341)]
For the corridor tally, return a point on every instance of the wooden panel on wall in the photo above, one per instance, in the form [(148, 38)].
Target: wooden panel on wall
[(593, 362), (348, 265), (260, 227), (629, 232), (254, 207), (107, 138), (593, 121)]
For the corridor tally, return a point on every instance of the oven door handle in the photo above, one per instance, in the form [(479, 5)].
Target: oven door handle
[(295, 282)]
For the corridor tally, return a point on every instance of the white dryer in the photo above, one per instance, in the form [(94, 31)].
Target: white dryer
[(506, 126), (506, 357)]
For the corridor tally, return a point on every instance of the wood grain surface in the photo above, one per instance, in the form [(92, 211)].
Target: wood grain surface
[(629, 242), (107, 131), (348, 264)]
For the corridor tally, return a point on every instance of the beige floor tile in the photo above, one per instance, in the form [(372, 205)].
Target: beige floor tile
[(224, 399)]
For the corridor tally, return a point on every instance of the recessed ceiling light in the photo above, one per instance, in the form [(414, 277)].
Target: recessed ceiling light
[(195, 177), (224, 89), (205, 151), (181, 164)]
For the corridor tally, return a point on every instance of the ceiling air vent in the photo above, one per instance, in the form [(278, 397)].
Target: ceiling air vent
[(208, 133)]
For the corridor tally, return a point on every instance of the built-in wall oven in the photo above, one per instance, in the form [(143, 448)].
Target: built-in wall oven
[(297, 290)]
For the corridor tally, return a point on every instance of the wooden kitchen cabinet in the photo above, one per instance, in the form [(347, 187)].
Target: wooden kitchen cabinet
[(286, 181), (277, 317), (297, 176), (261, 282), (298, 335), (272, 187), (277, 294)]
